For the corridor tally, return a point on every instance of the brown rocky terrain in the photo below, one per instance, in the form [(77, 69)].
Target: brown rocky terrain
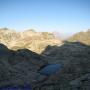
[(30, 39), (21, 66), (83, 37)]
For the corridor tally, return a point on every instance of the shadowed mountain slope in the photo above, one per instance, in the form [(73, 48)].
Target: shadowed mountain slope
[(21, 67), (18, 67), (75, 57)]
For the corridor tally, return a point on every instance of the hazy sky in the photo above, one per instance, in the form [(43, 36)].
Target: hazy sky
[(65, 16)]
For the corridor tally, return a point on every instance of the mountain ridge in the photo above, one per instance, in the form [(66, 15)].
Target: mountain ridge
[(83, 37), (20, 66), (30, 39)]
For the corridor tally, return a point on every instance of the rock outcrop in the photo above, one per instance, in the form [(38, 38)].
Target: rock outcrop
[(30, 39), (83, 37), (75, 75), (18, 67)]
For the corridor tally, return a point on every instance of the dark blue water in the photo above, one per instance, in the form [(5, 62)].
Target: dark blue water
[(50, 69)]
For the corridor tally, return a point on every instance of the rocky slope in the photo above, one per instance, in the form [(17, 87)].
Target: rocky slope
[(21, 66), (18, 68), (30, 39), (83, 37), (75, 75)]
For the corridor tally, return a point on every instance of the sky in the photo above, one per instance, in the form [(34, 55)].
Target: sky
[(63, 16)]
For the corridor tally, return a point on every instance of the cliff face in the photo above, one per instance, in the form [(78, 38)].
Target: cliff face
[(83, 37), (35, 41)]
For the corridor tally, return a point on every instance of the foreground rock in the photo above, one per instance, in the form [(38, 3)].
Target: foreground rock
[(18, 67), (75, 74)]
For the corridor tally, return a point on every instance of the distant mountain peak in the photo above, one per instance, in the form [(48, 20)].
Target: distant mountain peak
[(83, 37), (30, 39)]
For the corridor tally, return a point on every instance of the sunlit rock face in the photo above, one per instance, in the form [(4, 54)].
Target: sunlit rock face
[(83, 37), (30, 39)]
